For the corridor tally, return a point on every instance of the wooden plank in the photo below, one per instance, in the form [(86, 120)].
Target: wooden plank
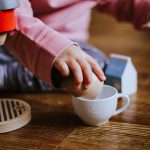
[(52, 121), (112, 136)]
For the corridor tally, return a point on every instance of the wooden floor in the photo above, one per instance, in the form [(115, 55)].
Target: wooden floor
[(54, 124)]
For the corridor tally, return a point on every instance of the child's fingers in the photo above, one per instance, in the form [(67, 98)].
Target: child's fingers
[(87, 71), (62, 68), (77, 72), (97, 69)]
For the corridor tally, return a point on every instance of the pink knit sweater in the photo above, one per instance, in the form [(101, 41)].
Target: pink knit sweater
[(45, 27)]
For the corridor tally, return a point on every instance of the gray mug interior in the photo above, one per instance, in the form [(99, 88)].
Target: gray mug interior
[(106, 92)]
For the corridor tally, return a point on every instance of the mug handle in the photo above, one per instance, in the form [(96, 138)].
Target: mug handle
[(126, 101)]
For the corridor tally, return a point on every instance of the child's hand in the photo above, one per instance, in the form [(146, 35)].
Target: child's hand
[(81, 65)]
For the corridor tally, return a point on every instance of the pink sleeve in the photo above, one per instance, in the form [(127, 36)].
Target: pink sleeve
[(135, 11), (35, 44)]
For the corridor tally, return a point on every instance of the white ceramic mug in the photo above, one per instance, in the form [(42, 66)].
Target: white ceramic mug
[(99, 111)]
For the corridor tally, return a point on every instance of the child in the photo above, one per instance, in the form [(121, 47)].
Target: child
[(51, 37)]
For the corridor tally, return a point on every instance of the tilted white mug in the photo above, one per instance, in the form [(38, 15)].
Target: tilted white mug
[(100, 110)]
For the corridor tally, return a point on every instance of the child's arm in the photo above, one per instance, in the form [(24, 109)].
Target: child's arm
[(35, 44), (38, 46), (135, 11)]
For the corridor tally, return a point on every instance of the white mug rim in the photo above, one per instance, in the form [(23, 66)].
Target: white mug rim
[(100, 99)]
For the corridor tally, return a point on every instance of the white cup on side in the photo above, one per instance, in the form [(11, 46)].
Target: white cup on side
[(99, 111)]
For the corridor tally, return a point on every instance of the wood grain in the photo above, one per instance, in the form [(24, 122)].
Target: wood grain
[(109, 136), (54, 124), (52, 121)]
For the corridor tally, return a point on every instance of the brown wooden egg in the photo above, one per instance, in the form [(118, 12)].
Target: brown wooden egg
[(90, 93)]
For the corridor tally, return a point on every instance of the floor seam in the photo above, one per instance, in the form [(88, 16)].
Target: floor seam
[(65, 139)]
